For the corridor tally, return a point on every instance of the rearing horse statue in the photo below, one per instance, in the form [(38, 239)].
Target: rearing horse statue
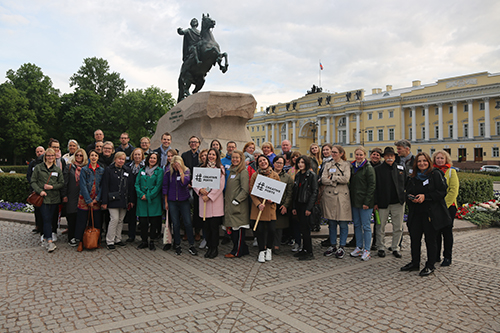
[(199, 57)]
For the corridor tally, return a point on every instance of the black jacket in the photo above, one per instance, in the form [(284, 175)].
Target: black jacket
[(434, 206), (386, 176), (305, 189), (191, 161), (118, 180)]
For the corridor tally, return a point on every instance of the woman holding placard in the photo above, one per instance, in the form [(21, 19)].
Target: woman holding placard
[(267, 221), (212, 205), (236, 204)]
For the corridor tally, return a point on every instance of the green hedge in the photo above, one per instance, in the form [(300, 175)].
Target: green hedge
[(17, 168), (474, 187), (14, 187)]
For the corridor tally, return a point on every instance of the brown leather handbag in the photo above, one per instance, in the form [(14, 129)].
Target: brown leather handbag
[(91, 236), (36, 199)]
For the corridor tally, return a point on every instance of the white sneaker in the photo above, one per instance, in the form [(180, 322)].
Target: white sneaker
[(269, 255), (51, 247), (357, 252), (54, 237), (295, 247), (366, 255), (262, 256), (255, 243), (203, 244)]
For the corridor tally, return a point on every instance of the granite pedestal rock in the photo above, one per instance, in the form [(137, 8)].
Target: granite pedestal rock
[(208, 115)]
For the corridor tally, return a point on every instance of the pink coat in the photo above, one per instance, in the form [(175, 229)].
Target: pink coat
[(215, 206)]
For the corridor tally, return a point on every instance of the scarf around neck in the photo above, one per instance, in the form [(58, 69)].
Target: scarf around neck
[(422, 176), (150, 171), (357, 166), (266, 172), (443, 168)]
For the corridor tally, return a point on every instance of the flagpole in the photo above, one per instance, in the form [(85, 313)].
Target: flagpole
[(319, 72)]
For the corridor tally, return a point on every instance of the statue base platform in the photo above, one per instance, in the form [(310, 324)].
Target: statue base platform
[(208, 115)]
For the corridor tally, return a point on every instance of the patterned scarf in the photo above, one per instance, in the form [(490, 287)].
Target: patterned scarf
[(265, 172), (443, 168), (357, 166), (77, 173)]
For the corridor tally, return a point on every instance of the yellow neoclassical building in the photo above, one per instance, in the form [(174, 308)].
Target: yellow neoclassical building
[(459, 114)]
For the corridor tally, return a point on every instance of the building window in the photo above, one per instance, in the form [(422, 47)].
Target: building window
[(466, 108), (342, 136), (370, 135), (411, 113), (423, 112), (466, 130), (450, 131), (419, 150), (262, 128), (432, 152), (498, 127), (450, 110), (436, 111), (253, 128), (481, 106), (380, 115), (380, 135), (391, 133), (370, 116), (391, 114), (258, 142), (423, 132), (436, 131), (410, 134), (481, 129), (494, 152)]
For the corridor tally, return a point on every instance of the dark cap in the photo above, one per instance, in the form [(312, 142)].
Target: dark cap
[(376, 150), (389, 151)]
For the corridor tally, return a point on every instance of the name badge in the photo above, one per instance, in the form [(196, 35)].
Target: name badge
[(143, 173), (125, 174), (233, 176), (227, 166), (54, 174), (410, 171), (426, 182), (400, 167), (178, 177), (333, 170)]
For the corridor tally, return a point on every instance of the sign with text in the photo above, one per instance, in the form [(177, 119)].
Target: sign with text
[(206, 177), (269, 189)]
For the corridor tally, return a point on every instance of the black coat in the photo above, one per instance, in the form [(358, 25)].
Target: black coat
[(307, 192), (434, 206), (191, 161), (386, 175), (118, 180)]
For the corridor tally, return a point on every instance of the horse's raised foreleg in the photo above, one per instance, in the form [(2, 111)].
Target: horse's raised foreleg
[(224, 67)]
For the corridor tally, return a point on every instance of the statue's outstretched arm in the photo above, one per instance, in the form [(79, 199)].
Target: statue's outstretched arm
[(180, 31)]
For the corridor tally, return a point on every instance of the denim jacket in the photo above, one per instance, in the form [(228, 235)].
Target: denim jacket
[(87, 178)]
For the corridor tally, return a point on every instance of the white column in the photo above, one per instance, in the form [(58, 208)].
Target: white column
[(294, 130), (487, 132), (267, 132), (403, 128), (427, 132), (287, 128), (358, 130), (413, 124), (272, 134), (470, 120), (333, 130), (440, 121), (455, 121), (347, 130), (328, 139), (319, 131)]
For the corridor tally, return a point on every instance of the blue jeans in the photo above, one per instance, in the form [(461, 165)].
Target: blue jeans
[(344, 231), (361, 218), (178, 209), (47, 211)]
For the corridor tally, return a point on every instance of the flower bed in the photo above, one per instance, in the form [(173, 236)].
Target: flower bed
[(483, 214), (17, 207)]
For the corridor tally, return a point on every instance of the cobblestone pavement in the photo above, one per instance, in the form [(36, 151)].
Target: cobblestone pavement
[(130, 290)]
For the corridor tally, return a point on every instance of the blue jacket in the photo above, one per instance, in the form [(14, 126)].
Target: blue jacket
[(87, 178)]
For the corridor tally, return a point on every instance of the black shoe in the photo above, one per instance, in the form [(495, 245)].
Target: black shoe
[(307, 256), (120, 244), (381, 253), (300, 254), (130, 240), (446, 262), (397, 254), (34, 230), (214, 253), (326, 242), (426, 271), (111, 246), (317, 228), (390, 249), (208, 253), (410, 267), (152, 246), (352, 243), (167, 247), (192, 251), (178, 250), (373, 248), (143, 245), (225, 240)]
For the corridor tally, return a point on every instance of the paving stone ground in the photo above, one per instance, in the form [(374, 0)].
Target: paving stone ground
[(130, 290)]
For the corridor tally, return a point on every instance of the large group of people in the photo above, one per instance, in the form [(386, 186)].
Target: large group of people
[(107, 187)]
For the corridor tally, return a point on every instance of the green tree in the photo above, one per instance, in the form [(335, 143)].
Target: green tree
[(42, 97), (19, 127)]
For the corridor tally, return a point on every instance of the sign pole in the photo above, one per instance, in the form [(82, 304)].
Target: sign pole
[(258, 216)]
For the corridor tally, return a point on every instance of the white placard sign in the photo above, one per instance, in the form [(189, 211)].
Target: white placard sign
[(206, 177), (269, 189)]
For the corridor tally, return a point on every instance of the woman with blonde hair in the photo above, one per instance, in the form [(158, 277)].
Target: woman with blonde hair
[(108, 154), (315, 157), (268, 151), (136, 164), (176, 190), (442, 161)]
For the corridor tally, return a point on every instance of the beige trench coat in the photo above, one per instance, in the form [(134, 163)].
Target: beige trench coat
[(336, 202)]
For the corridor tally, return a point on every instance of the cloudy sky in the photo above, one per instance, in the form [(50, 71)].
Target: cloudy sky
[(274, 47)]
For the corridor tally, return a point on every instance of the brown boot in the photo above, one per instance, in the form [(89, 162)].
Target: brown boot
[(80, 247)]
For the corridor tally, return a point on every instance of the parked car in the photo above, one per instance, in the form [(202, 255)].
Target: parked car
[(491, 168)]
